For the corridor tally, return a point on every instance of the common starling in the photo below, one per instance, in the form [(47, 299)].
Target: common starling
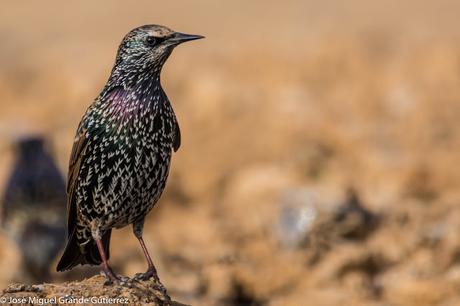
[(32, 207), (122, 150)]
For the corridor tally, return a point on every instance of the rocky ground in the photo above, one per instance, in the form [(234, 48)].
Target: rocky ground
[(90, 291), (319, 151)]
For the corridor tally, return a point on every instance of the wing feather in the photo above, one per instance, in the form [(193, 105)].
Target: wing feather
[(79, 148)]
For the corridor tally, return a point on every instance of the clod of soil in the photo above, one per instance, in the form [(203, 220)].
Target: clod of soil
[(85, 292)]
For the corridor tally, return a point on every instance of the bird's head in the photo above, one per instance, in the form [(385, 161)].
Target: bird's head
[(146, 48)]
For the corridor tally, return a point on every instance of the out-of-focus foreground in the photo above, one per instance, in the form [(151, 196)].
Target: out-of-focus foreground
[(320, 143)]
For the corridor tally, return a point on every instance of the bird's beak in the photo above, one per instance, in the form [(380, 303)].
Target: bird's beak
[(179, 38)]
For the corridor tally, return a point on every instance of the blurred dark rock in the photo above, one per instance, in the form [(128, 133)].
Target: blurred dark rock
[(371, 265), (310, 218), (34, 207), (353, 219), (240, 296)]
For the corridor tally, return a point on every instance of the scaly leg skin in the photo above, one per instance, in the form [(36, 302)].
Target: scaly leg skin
[(151, 271), (111, 277)]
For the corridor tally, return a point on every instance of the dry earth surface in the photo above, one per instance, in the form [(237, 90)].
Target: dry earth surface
[(89, 292)]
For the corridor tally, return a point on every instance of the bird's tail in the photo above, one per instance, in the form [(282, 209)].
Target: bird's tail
[(88, 254)]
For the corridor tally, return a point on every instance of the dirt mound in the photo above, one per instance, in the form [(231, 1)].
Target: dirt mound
[(90, 291)]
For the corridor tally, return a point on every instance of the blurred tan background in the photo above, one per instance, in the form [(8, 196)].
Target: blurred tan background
[(320, 153)]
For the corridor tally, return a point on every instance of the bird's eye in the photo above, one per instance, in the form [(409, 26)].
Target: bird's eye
[(151, 41), (154, 41)]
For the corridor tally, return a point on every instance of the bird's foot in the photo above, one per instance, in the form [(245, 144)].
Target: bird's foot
[(112, 278), (151, 274)]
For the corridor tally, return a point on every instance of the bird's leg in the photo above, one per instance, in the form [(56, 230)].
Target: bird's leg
[(111, 277), (151, 271)]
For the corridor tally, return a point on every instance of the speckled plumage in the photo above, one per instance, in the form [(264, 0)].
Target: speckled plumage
[(122, 151)]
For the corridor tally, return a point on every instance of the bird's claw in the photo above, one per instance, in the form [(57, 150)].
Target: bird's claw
[(112, 278), (151, 274)]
